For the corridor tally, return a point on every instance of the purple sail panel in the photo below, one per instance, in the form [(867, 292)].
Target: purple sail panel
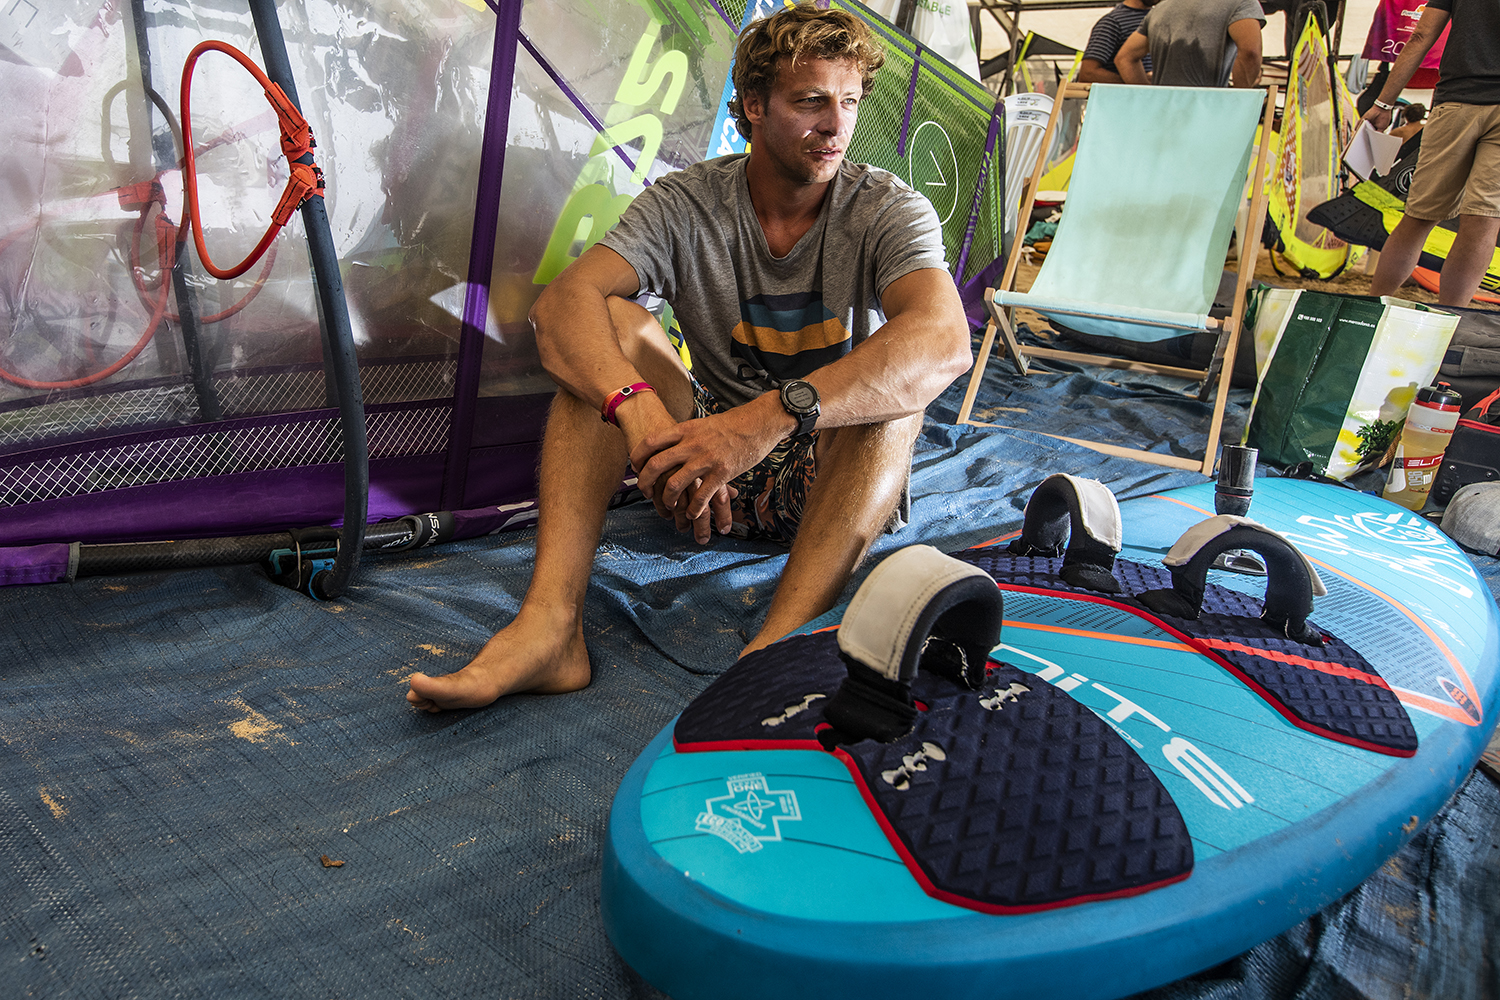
[(34, 564)]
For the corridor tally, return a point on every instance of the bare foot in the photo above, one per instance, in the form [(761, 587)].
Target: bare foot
[(518, 659)]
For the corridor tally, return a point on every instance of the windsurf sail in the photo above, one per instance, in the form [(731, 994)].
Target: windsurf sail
[(1306, 169), (471, 148)]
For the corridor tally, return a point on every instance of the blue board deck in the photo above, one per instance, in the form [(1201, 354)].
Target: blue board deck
[(754, 873)]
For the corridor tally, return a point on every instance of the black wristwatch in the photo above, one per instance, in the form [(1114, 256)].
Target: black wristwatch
[(800, 399)]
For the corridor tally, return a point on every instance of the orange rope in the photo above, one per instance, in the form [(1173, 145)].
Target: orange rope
[(140, 345), (169, 241), (297, 144), (305, 181)]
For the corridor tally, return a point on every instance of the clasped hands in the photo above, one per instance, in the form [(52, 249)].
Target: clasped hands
[(685, 468)]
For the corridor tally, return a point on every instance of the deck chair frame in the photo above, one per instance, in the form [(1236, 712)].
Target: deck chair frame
[(1214, 379)]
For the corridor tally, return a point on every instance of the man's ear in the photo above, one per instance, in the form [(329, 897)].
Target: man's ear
[(754, 105)]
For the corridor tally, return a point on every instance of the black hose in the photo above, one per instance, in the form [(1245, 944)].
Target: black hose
[(338, 338)]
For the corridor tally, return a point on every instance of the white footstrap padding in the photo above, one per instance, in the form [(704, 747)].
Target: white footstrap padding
[(1100, 511), (1203, 532), (877, 626)]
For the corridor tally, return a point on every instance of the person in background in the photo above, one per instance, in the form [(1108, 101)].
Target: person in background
[(1109, 34), (1196, 43), (1412, 116), (1458, 169)]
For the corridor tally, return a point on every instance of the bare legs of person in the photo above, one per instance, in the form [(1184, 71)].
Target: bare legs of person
[(1399, 256), (861, 472), (1468, 259), (583, 461)]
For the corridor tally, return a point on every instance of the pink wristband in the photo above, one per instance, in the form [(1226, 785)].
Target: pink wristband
[(612, 403)]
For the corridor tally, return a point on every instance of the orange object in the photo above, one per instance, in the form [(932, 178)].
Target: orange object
[(297, 143), (1428, 279)]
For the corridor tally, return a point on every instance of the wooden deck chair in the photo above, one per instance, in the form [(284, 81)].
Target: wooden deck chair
[(1138, 254)]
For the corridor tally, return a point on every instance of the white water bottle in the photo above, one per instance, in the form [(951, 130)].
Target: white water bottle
[(1424, 438)]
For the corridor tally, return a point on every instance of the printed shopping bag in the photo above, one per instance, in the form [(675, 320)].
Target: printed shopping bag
[(1336, 374)]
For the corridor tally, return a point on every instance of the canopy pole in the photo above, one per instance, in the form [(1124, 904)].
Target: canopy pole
[(482, 252)]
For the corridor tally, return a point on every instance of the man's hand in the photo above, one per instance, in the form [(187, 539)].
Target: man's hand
[(1378, 118), (685, 469), (1428, 30)]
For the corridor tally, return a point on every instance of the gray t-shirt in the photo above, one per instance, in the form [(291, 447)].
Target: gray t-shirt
[(751, 320), (1190, 44)]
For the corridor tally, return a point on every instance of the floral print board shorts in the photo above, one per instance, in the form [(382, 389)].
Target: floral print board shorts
[(773, 494)]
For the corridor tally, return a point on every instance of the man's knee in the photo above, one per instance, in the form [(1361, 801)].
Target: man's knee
[(635, 328), (886, 442), (871, 460)]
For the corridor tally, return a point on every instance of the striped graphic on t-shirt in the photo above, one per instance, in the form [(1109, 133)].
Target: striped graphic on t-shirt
[(788, 336)]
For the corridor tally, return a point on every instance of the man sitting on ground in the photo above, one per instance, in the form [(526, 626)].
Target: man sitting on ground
[(1109, 34), (1196, 43), (821, 320)]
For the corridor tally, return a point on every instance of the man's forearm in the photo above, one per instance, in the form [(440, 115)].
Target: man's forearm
[(1132, 71), (1093, 71), (575, 336), (904, 365), (578, 349), (1246, 71)]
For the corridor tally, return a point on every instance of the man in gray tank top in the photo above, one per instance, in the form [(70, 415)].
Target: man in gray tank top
[(821, 320)]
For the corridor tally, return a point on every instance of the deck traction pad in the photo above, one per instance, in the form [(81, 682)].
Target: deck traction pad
[(1330, 690), (1009, 799)]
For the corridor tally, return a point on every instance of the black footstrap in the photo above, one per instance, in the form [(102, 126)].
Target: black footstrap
[(1324, 686)]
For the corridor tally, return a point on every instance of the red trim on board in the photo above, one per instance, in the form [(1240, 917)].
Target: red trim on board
[(745, 745), (1415, 699), (1321, 666), (1200, 647)]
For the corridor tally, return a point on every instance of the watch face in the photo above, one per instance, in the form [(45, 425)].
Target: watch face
[(800, 395)]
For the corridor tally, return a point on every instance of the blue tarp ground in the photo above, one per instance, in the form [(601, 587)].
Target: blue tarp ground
[(181, 749)]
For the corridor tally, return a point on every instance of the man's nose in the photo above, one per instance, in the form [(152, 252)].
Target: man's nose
[(837, 120)]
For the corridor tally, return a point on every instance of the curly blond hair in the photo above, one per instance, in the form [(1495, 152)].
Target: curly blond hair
[(800, 31)]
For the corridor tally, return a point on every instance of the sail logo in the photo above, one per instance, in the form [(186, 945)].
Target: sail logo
[(750, 815), (597, 200)]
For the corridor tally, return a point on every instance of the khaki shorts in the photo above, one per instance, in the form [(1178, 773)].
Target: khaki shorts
[(1458, 170)]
